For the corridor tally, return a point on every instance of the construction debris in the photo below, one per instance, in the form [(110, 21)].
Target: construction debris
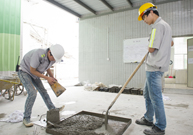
[(115, 89)]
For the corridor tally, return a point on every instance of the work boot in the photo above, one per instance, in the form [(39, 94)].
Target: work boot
[(154, 131), (60, 108), (27, 122), (143, 121)]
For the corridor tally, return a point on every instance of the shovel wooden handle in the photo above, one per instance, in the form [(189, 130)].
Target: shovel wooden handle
[(129, 79), (106, 116)]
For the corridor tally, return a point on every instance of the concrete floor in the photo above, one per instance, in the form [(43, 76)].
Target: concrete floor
[(178, 107)]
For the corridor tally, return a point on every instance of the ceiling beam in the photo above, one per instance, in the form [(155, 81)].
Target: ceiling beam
[(85, 6), (130, 3), (107, 4), (126, 9), (64, 8)]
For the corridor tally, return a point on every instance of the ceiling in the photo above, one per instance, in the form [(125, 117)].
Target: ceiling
[(92, 8)]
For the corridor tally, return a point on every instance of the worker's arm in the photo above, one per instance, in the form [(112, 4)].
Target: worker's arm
[(172, 43), (50, 80), (50, 74), (151, 49)]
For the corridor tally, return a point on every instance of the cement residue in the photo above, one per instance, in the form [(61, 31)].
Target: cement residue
[(81, 124), (178, 105), (2, 115)]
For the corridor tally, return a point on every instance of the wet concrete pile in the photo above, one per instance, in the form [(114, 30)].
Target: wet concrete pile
[(81, 124)]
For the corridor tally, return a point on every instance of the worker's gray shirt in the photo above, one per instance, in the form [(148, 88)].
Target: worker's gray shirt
[(37, 59), (160, 39)]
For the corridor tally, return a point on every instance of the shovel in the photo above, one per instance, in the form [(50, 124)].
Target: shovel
[(57, 88), (106, 116)]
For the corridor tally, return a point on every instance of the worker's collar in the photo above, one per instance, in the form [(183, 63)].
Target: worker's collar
[(158, 19), (46, 55)]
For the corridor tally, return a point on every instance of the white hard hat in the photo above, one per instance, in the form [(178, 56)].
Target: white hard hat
[(57, 52)]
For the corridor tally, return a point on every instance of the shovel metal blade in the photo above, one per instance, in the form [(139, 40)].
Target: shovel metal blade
[(58, 89)]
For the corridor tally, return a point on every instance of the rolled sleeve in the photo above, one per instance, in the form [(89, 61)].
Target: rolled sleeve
[(156, 36)]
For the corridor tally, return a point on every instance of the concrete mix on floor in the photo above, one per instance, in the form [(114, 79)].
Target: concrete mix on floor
[(178, 107)]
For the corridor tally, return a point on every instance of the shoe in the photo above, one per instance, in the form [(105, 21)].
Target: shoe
[(60, 108), (27, 122), (154, 131), (143, 121)]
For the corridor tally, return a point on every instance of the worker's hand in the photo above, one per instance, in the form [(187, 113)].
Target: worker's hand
[(55, 79), (51, 80)]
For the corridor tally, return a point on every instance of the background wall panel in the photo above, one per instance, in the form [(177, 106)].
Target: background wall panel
[(9, 34), (93, 62)]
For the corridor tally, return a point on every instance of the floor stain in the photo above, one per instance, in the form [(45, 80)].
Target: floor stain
[(168, 107), (2, 115), (116, 111), (178, 105)]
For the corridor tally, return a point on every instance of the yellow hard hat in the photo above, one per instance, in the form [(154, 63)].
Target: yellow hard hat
[(143, 9)]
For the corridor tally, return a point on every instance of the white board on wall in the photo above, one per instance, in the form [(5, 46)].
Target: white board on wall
[(134, 49)]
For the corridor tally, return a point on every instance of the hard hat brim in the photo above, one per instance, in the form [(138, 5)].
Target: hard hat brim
[(58, 60), (139, 18)]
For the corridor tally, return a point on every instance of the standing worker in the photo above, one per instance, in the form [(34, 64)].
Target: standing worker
[(157, 62), (32, 67)]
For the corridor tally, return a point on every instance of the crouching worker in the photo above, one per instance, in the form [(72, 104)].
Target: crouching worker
[(32, 67)]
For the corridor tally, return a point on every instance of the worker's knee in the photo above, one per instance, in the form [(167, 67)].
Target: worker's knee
[(32, 93)]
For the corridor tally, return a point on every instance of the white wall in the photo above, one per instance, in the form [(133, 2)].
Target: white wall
[(93, 64), (54, 26)]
